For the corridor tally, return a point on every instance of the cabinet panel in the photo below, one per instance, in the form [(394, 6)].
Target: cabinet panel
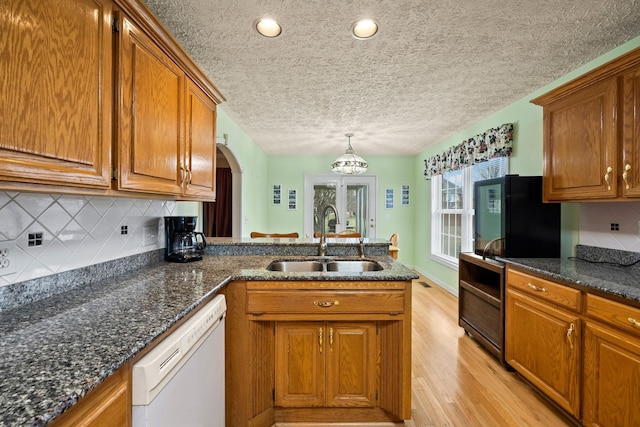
[(543, 344), (351, 366), (150, 127), (622, 316), (326, 302), (300, 364), (611, 377), (200, 151), (546, 290), (56, 69), (631, 134), (107, 405), (580, 144)]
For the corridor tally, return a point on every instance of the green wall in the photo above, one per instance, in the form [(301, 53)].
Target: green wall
[(392, 171), (412, 223)]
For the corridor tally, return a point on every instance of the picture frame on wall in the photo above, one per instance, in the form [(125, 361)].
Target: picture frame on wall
[(293, 200), (388, 198), (404, 197), (277, 194)]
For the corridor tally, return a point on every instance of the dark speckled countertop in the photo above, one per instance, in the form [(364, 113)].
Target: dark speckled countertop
[(58, 348), (593, 269)]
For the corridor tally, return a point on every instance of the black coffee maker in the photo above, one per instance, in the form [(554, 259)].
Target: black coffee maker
[(183, 244)]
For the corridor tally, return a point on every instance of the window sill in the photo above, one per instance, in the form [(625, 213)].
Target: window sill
[(447, 261)]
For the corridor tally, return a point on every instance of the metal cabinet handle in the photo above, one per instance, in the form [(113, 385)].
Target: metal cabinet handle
[(330, 339), (326, 303), (320, 339), (606, 177), (625, 175), (634, 322), (536, 288), (570, 331)]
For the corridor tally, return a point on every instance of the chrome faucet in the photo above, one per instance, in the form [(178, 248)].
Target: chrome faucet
[(361, 247), (322, 249)]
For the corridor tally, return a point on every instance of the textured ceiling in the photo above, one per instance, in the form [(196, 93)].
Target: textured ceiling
[(434, 67)]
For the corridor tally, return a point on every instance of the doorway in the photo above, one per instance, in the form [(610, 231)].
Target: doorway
[(222, 217), (353, 196)]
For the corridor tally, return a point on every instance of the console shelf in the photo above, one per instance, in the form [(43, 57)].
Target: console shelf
[(481, 301)]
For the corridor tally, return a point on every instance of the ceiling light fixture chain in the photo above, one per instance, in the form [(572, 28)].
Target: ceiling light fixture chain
[(349, 163)]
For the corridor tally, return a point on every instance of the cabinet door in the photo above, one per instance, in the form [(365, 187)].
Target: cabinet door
[(200, 151), (611, 375), (543, 344), (150, 113), (107, 405), (351, 364), (631, 134), (55, 92), (300, 364), (580, 144)]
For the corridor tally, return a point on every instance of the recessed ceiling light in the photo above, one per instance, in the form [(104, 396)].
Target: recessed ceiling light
[(267, 27), (364, 29)]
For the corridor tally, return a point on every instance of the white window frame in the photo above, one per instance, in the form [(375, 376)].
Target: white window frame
[(467, 213)]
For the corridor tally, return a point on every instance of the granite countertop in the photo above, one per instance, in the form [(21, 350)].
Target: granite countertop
[(602, 277), (55, 350)]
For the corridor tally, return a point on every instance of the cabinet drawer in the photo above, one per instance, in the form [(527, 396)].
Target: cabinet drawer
[(324, 302), (544, 289), (614, 313)]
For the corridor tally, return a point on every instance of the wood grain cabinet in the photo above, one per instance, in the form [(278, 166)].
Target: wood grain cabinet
[(166, 133), (592, 134), (99, 97), (107, 405), (326, 364), (55, 92), (611, 364), (543, 340), (558, 338), (304, 351), (150, 115)]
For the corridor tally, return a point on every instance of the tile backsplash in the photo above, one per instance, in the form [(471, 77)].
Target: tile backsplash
[(613, 225), (74, 231)]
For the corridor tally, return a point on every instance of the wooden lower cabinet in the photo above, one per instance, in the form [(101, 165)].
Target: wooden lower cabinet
[(106, 406), (611, 377), (580, 349), (543, 345), (329, 363), (326, 364)]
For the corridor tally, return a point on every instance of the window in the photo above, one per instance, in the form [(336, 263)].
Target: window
[(452, 208)]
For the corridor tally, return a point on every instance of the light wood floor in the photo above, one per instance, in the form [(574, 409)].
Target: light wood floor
[(455, 382)]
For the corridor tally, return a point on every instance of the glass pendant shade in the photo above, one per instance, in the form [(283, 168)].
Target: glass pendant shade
[(349, 163)]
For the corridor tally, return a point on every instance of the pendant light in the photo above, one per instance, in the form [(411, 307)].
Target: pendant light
[(349, 163)]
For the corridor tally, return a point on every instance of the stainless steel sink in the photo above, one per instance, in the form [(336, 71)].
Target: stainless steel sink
[(341, 266), (353, 266), (296, 266)]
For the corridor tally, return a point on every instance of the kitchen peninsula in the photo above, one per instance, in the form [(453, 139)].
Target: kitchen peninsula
[(59, 347)]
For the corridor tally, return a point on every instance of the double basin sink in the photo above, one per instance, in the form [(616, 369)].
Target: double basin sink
[(329, 265)]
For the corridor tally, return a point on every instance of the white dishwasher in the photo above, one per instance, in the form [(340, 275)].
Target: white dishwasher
[(181, 381)]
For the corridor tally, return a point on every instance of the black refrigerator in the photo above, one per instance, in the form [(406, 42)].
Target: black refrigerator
[(511, 221)]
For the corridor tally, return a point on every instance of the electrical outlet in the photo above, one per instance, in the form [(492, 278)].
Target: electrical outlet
[(150, 235), (7, 258)]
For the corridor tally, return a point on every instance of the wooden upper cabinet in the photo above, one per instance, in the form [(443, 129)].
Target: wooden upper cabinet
[(56, 69), (580, 144), (630, 167), (200, 148), (592, 134), (150, 115)]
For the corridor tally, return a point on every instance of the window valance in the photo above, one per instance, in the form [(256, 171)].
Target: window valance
[(496, 142)]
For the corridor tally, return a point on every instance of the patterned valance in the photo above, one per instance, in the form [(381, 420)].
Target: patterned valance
[(496, 142)]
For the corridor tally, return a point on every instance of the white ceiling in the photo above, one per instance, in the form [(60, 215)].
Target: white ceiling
[(434, 67)]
